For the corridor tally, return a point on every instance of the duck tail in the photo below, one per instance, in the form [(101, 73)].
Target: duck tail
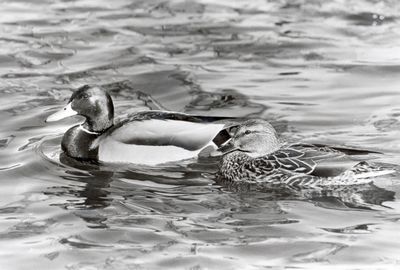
[(360, 174), (367, 170)]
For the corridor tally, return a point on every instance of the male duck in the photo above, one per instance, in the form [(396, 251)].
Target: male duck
[(148, 137), (255, 154)]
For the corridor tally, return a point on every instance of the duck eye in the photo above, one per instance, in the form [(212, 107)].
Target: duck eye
[(247, 132)]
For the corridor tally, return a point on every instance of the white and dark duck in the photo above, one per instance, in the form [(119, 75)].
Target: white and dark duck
[(255, 154), (147, 137)]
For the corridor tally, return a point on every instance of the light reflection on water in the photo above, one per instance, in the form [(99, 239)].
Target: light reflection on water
[(321, 71)]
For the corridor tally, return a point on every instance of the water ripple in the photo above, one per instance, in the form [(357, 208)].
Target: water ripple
[(318, 70)]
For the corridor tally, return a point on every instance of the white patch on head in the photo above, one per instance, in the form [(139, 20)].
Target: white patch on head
[(92, 99)]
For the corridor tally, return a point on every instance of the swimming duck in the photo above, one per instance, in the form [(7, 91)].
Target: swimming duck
[(255, 154), (147, 137)]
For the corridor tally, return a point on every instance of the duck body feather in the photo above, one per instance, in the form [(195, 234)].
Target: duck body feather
[(255, 155), (156, 137), (147, 137), (160, 128), (303, 165)]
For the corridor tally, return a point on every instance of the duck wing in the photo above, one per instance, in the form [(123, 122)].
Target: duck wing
[(330, 161), (167, 115), (289, 159), (352, 151), (159, 128), (303, 158), (309, 165)]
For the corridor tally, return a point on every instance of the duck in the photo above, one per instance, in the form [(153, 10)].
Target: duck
[(255, 154), (146, 137)]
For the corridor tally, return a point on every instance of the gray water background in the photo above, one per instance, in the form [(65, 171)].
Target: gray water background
[(323, 71)]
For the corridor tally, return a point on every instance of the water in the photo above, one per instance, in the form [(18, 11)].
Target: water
[(322, 71)]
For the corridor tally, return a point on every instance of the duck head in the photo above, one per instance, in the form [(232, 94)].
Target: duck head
[(255, 137), (91, 102)]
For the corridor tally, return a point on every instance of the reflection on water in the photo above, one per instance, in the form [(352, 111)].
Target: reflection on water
[(319, 71), (352, 196)]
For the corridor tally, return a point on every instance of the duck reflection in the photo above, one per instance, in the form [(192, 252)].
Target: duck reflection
[(363, 196), (102, 183), (95, 178), (97, 181)]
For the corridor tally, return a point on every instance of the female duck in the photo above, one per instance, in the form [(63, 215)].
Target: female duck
[(255, 154), (149, 137)]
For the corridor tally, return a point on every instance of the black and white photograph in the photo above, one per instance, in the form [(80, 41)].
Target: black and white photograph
[(199, 134)]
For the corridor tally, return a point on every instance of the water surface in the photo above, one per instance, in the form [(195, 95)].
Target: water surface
[(323, 71)]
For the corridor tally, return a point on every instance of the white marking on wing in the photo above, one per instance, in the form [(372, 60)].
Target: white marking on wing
[(114, 151), (189, 135)]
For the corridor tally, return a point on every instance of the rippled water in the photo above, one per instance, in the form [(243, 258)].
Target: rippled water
[(323, 71)]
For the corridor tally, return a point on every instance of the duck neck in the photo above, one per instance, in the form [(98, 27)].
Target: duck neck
[(100, 124)]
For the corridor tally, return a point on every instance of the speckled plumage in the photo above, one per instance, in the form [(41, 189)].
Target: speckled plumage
[(247, 159)]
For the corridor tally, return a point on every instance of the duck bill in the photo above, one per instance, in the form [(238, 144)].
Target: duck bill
[(65, 112), (227, 148)]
